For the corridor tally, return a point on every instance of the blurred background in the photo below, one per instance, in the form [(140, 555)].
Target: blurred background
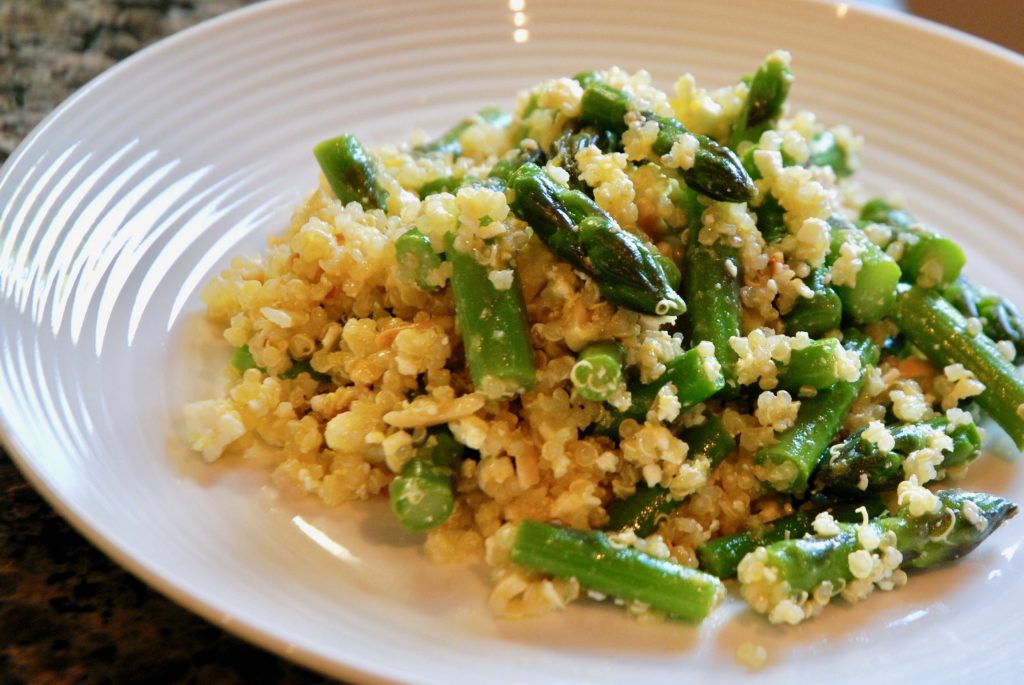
[(67, 613)]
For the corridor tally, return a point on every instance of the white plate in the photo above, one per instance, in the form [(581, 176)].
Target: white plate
[(141, 187)]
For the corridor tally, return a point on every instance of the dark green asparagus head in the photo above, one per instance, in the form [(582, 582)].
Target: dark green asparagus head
[(716, 171), (962, 520), (626, 269), (567, 146), (857, 464), (765, 100), (540, 202)]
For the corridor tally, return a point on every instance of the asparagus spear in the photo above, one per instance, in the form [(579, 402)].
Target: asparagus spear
[(504, 168), (597, 372), (497, 179), (872, 292), (716, 171), (770, 214), (624, 267), (350, 171), (243, 360), (452, 184), (712, 289), (416, 258), (941, 333), (566, 148), (695, 374), (771, 219), (722, 555), (1000, 318), (819, 365), (644, 511), (765, 100), (625, 573), (819, 314), (450, 141), (791, 459), (858, 464), (709, 440), (421, 495), (827, 152), (791, 580), (928, 259), (495, 330)]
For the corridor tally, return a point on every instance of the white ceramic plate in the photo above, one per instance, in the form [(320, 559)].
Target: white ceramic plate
[(142, 186)]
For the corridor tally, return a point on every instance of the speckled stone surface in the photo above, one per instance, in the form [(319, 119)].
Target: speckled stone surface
[(67, 613)]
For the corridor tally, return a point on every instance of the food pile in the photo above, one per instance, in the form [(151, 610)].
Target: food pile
[(625, 343)]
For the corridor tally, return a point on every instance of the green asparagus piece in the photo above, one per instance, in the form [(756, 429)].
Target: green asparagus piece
[(1000, 318), (712, 289), (627, 574), (694, 376), (819, 365), (716, 171), (873, 293), (770, 215), (961, 521), (450, 141), (771, 219), (304, 366), (765, 100), (350, 171), (586, 78), (857, 465), (566, 148), (709, 440), (672, 273), (243, 360), (928, 258), (504, 168), (495, 330), (940, 332), (644, 511), (827, 152), (446, 184), (416, 258), (597, 372), (795, 454), (722, 555), (819, 314), (625, 268), (452, 184), (421, 495)]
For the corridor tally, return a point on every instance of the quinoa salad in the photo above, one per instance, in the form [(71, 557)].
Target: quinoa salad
[(625, 344)]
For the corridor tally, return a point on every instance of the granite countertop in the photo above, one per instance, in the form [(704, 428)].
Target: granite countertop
[(68, 614)]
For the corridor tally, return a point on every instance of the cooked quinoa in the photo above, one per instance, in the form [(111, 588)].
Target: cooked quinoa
[(352, 361)]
